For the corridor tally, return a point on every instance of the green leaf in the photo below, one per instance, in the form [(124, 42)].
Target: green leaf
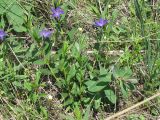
[(110, 95), (123, 89), (19, 28), (64, 95), (28, 86), (4, 5), (94, 9), (39, 62), (45, 71), (75, 89), (97, 103), (18, 84), (103, 71), (77, 112), (123, 73), (72, 33), (34, 97), (90, 83), (2, 22), (67, 117), (86, 114), (14, 13), (71, 73), (37, 78), (20, 77), (139, 16), (68, 101), (105, 76), (94, 86), (77, 47), (44, 111)]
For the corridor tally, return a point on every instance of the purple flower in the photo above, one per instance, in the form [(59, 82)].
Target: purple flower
[(101, 22), (46, 33), (56, 12), (2, 34)]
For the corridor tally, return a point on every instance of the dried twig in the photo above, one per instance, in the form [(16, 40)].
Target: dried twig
[(113, 52), (16, 56), (132, 107)]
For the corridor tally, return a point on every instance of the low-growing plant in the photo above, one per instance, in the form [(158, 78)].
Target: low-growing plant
[(46, 47)]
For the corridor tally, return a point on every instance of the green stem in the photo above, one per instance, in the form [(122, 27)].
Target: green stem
[(52, 72)]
